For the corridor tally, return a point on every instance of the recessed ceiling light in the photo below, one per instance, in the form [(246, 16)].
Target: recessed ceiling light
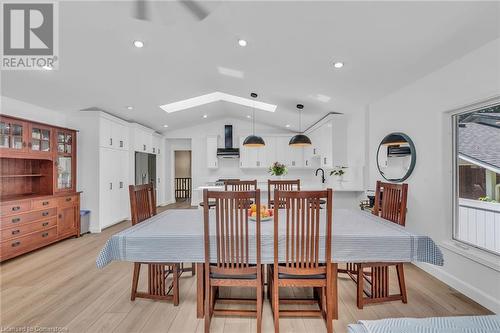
[(287, 125), (48, 68), (138, 43), (130, 107), (205, 116), (242, 42), (338, 64), (165, 126), (249, 116)]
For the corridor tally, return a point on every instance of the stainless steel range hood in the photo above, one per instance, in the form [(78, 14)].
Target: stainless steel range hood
[(228, 151)]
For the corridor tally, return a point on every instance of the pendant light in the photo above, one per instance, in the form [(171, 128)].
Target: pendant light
[(300, 140), (253, 140)]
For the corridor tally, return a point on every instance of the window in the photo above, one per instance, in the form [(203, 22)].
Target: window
[(477, 178)]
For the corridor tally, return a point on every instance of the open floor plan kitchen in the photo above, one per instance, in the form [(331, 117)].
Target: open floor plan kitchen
[(223, 166)]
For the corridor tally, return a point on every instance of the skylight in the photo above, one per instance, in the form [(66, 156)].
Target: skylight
[(216, 97)]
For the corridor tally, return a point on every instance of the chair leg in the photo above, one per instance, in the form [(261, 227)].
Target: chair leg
[(259, 306), (360, 280), (135, 280), (176, 283), (329, 300), (208, 302), (276, 303), (401, 280)]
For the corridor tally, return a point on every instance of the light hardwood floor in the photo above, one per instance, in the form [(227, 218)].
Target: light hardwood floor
[(60, 286)]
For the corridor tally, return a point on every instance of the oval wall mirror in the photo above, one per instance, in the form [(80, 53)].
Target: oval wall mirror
[(396, 157)]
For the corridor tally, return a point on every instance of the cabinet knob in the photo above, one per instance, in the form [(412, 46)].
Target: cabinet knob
[(16, 219), (121, 144), (15, 232), (45, 213), (45, 203), (143, 147), (307, 162), (324, 160), (44, 224), (153, 149), (45, 234), (16, 208), (68, 199), (110, 141), (60, 216), (16, 243), (121, 184)]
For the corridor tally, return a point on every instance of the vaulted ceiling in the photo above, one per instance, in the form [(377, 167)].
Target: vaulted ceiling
[(288, 60)]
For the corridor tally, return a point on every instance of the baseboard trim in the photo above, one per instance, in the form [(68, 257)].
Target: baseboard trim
[(468, 290)]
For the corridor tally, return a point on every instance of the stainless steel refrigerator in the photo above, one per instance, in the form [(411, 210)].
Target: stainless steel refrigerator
[(145, 168)]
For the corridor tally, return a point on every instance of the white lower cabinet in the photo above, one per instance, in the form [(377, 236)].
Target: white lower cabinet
[(113, 186)]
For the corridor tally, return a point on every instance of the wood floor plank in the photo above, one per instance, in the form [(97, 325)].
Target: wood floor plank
[(60, 286)]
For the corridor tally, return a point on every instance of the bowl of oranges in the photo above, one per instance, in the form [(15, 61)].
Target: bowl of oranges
[(266, 214)]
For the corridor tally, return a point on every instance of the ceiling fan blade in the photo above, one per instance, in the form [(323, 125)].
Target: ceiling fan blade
[(195, 8), (141, 10)]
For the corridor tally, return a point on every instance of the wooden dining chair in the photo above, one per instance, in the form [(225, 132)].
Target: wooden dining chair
[(282, 185), (390, 204), (300, 263), (143, 207), (240, 185), (211, 204), (229, 262)]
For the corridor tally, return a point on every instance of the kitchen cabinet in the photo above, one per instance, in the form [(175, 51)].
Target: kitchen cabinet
[(156, 144), (291, 156), (212, 160), (249, 156), (113, 186), (143, 138), (113, 133)]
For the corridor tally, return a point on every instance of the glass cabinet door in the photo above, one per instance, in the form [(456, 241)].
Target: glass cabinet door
[(11, 134), (64, 180), (64, 160), (40, 139)]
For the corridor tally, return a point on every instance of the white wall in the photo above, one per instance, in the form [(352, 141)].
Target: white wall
[(421, 111), (16, 108)]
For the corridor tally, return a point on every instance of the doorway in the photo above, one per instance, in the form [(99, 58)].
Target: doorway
[(183, 182)]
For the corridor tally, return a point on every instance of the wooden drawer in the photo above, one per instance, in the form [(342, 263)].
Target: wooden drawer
[(16, 220), (25, 229), (15, 207), (44, 203), (67, 201), (27, 243)]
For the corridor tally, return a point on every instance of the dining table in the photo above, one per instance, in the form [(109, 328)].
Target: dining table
[(177, 236)]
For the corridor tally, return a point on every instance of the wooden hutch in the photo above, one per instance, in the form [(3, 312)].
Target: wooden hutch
[(39, 204)]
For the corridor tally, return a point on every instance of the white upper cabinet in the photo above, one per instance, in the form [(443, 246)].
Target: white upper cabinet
[(329, 146), (113, 133), (156, 144), (212, 160), (143, 139), (291, 156), (249, 156)]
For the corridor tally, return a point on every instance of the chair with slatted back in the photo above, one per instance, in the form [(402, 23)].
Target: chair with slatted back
[(143, 206), (390, 204), (303, 224), (241, 185), (230, 261), (282, 185), (211, 204)]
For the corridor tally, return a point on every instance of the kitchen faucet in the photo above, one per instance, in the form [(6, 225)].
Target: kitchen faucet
[(322, 175)]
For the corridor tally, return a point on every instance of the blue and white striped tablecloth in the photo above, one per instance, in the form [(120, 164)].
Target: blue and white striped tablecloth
[(462, 324), (177, 236)]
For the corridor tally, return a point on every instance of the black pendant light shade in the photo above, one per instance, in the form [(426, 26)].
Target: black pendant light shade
[(253, 140), (300, 140)]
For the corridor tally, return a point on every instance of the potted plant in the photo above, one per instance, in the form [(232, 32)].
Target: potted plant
[(339, 173), (278, 169)]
